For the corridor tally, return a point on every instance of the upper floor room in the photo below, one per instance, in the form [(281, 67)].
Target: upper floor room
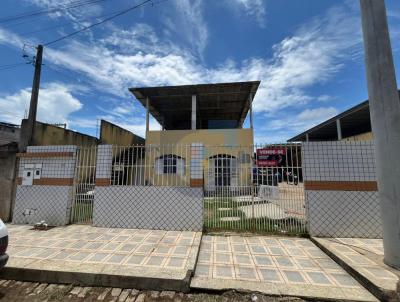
[(201, 106)]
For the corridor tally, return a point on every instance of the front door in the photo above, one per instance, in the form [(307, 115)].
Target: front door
[(222, 171)]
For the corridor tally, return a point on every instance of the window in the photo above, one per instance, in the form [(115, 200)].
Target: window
[(169, 164)]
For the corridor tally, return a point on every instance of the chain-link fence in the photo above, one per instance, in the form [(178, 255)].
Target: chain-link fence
[(249, 188), (259, 188), (244, 188), (341, 189), (254, 188), (45, 185)]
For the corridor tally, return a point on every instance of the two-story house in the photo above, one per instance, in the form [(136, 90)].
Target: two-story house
[(203, 141)]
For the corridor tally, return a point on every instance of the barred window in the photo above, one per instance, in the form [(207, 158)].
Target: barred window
[(170, 164)]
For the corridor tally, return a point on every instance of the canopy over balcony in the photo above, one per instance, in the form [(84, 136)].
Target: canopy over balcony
[(201, 106)]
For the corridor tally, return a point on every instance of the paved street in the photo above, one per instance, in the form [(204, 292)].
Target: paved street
[(13, 291)]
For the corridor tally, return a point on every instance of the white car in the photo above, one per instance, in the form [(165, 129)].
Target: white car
[(3, 244)]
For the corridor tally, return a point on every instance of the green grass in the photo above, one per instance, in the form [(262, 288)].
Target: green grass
[(82, 212), (212, 222)]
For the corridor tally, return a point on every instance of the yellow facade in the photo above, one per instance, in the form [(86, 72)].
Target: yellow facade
[(235, 146), (360, 137)]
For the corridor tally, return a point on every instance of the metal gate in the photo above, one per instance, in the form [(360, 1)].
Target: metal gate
[(255, 188), (246, 188), (84, 185)]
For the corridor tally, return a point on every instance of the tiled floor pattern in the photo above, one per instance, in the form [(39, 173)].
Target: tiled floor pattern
[(85, 244), (364, 256), (281, 261), (372, 245)]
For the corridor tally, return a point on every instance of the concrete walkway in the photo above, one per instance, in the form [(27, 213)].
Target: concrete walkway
[(275, 266), (163, 260), (91, 256), (363, 258)]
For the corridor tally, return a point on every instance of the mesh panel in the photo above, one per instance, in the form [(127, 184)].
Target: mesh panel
[(156, 207), (342, 199), (37, 203), (45, 182)]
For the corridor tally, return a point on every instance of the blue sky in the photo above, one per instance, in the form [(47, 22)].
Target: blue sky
[(308, 55)]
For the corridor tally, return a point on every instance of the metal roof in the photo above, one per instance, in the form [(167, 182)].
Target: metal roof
[(353, 121), (171, 105)]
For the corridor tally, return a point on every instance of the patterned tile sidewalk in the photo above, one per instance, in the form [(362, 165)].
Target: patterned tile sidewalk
[(364, 258), (81, 248), (273, 265)]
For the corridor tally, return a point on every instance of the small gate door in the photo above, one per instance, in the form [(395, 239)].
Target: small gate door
[(84, 185)]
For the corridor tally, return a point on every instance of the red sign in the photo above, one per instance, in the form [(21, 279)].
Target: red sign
[(267, 163), (270, 157), (271, 151)]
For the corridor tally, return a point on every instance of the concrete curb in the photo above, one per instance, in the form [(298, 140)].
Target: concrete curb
[(318, 293), (98, 280), (379, 292)]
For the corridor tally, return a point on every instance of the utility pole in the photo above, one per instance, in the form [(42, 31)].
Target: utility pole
[(28, 128), (384, 106)]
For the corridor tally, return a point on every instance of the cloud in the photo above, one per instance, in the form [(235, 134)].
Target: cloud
[(307, 118), (312, 55), (316, 115), (56, 104), (252, 8), (74, 13), (187, 23), (325, 98)]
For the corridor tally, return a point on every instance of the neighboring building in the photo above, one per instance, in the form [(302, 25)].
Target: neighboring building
[(9, 137), (352, 124), (200, 125), (9, 133), (50, 135), (115, 135)]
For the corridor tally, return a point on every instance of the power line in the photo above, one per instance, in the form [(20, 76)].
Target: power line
[(32, 14), (98, 23), (68, 23), (11, 66)]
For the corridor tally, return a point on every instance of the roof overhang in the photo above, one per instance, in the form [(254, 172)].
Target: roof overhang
[(353, 121), (171, 105)]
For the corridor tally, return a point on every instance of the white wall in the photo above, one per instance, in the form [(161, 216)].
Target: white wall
[(36, 203), (341, 213), (149, 207)]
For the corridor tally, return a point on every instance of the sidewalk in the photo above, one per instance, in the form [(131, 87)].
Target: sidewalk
[(92, 256), (275, 266), (162, 260), (363, 258)]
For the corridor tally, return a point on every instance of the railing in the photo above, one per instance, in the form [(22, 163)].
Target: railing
[(258, 188), (246, 188), (84, 185)]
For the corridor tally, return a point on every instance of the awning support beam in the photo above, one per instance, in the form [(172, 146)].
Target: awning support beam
[(339, 130), (194, 115), (147, 114)]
